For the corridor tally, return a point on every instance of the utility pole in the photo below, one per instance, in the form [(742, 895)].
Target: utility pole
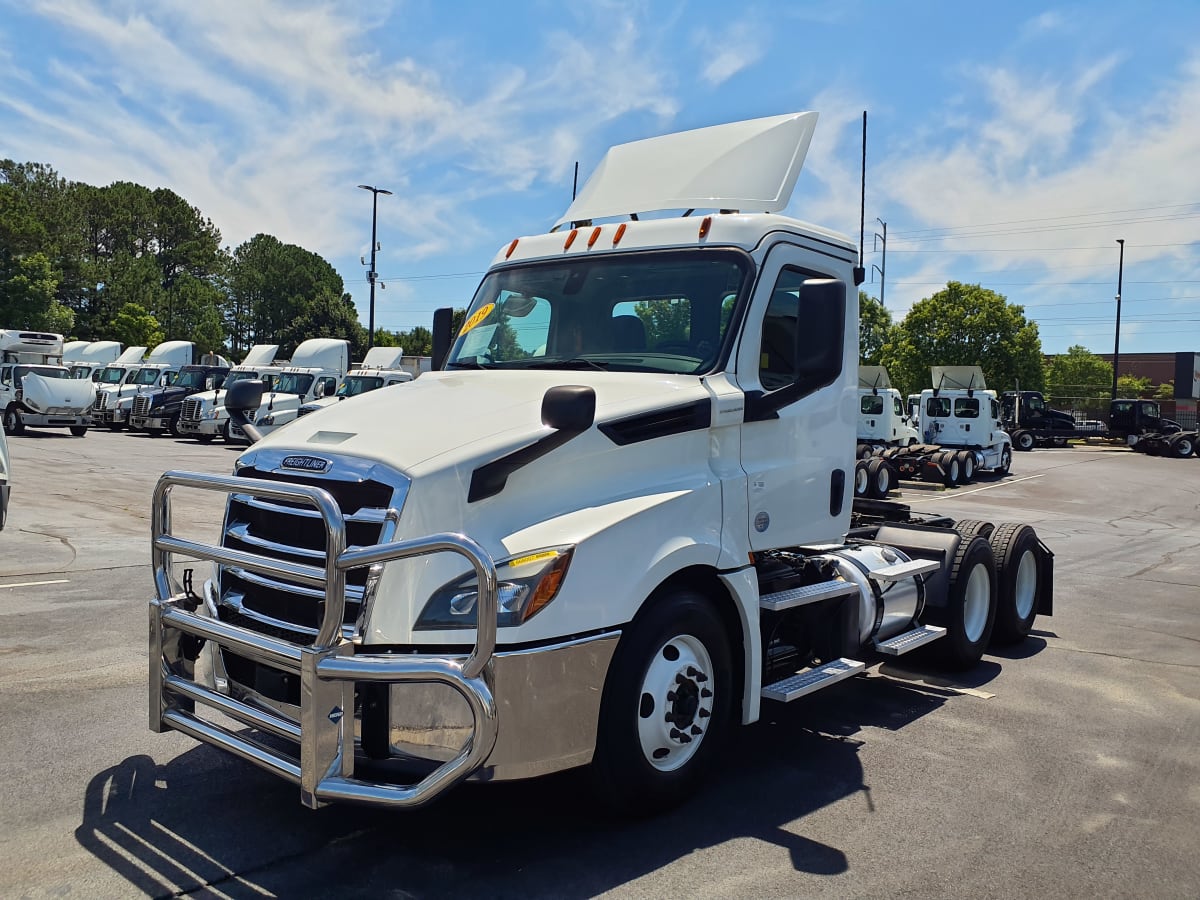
[(882, 270), (373, 276), (1117, 337)]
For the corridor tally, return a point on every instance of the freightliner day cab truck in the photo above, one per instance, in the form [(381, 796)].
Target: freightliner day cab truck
[(582, 540), (204, 416), (1138, 423), (156, 412), (88, 361), (114, 405), (36, 390), (316, 370), (5, 479), (111, 382), (382, 367)]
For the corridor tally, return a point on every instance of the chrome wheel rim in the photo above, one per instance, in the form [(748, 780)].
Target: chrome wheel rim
[(976, 600), (675, 704)]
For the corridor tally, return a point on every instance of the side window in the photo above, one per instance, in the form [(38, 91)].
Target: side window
[(6, 375), (872, 405), (801, 340), (330, 385), (218, 380), (938, 407), (966, 407), (1122, 406), (897, 406), (995, 411)]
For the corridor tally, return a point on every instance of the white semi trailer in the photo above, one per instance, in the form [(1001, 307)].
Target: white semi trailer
[(587, 538)]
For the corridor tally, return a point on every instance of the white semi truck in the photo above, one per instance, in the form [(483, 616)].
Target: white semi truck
[(882, 418), (5, 479), (36, 389), (381, 367), (316, 370), (587, 538), (204, 416), (88, 361), (114, 405)]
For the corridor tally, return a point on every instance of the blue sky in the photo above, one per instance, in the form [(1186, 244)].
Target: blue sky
[(1010, 144)]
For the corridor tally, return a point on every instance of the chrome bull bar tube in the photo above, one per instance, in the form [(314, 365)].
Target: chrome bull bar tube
[(328, 668)]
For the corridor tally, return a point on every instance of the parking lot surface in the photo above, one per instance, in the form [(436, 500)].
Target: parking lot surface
[(1067, 766)]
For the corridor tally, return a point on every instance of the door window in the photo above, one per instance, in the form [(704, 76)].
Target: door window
[(801, 339)]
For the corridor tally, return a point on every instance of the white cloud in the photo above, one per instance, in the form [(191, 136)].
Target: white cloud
[(727, 50)]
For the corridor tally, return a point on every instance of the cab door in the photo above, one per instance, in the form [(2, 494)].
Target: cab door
[(797, 364)]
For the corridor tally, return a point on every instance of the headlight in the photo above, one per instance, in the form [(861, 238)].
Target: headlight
[(30, 404), (267, 420), (525, 586), (209, 413)]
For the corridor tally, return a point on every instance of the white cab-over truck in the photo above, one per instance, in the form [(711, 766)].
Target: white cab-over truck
[(596, 535), (381, 367), (36, 389), (114, 404), (316, 370), (204, 416)]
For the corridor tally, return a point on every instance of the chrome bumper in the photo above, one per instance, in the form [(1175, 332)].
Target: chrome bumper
[(328, 670)]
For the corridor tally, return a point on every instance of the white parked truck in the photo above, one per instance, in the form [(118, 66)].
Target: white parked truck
[(112, 379), (204, 416), (88, 361), (36, 390), (882, 419), (5, 479), (597, 534), (382, 367), (114, 405), (316, 370)]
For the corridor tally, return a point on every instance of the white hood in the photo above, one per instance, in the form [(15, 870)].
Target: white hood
[(70, 393), (455, 416)]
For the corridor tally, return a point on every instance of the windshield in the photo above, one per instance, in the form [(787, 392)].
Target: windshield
[(147, 376), (81, 372), (191, 378), (645, 312), (111, 375), (359, 384), (45, 371), (293, 383)]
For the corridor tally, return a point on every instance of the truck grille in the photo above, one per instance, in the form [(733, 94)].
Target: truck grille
[(192, 409), (101, 401), (295, 532), (141, 405)]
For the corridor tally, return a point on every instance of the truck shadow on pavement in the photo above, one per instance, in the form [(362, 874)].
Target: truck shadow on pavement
[(208, 820)]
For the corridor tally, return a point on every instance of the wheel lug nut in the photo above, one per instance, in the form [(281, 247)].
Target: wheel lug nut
[(704, 713), (696, 729), (705, 692), (670, 696)]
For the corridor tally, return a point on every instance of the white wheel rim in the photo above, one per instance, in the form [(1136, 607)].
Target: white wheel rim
[(969, 466), (860, 480), (675, 703), (1184, 447), (954, 470), (976, 600), (882, 480), (1025, 588)]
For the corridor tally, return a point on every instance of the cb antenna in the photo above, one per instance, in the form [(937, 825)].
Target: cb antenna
[(860, 273)]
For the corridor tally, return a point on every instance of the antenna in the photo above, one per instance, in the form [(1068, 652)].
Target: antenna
[(575, 184), (860, 273)]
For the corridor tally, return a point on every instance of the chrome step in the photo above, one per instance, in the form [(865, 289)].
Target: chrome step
[(910, 640), (809, 593), (795, 686), (903, 570)]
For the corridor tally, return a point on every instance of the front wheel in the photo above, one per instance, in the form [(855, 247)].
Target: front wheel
[(1024, 440), (1005, 461), (667, 705), (206, 438), (12, 422), (79, 430)]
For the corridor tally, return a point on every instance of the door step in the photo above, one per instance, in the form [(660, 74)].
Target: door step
[(809, 593), (796, 686), (903, 570), (910, 640)]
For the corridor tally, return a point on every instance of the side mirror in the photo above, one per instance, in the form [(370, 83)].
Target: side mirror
[(243, 398), (209, 383), (443, 319), (570, 408), (320, 390)]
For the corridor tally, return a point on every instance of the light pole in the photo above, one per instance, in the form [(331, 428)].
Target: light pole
[(372, 275), (883, 268), (1117, 337)]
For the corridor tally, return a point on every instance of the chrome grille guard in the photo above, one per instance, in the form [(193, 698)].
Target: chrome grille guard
[(328, 668)]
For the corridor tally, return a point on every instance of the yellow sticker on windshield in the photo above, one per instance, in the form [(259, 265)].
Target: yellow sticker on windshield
[(478, 316)]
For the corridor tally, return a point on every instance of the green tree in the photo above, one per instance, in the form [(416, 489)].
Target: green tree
[(329, 316), (27, 286), (134, 326), (665, 320), (1078, 378), (417, 342), (874, 329), (1131, 386), (1165, 391), (965, 324)]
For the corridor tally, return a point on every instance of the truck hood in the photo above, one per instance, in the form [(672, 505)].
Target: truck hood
[(453, 417), (44, 393)]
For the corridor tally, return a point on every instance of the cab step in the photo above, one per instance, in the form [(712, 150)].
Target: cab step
[(809, 593), (795, 686), (910, 640), (903, 570)]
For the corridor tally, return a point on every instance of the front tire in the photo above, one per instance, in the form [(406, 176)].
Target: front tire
[(1023, 441), (667, 705), (79, 430), (12, 422), (1005, 461)]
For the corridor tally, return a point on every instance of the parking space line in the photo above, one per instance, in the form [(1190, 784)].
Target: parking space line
[(35, 583), (986, 487)]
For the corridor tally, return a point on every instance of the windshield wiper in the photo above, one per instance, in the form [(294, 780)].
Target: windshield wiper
[(469, 362), (575, 362)]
